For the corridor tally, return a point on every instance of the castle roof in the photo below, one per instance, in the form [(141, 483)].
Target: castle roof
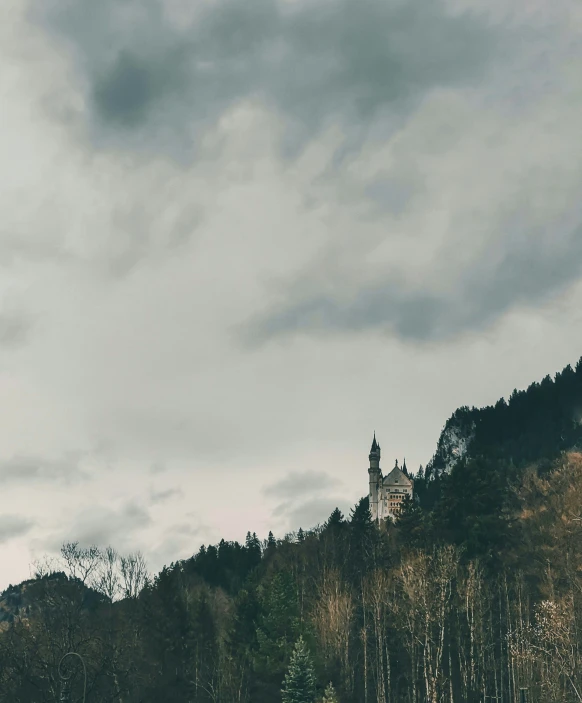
[(396, 477)]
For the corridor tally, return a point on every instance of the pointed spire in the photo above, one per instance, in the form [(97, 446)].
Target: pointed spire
[(374, 455)]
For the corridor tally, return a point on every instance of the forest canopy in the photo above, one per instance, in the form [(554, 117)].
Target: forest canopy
[(473, 594)]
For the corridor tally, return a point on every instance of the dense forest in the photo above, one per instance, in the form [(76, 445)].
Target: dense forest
[(473, 594)]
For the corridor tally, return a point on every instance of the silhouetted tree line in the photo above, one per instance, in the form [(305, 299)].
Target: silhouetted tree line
[(474, 593)]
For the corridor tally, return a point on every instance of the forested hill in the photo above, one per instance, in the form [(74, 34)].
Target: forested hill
[(474, 593), (533, 425)]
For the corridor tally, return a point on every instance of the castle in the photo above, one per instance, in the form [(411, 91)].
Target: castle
[(386, 492)]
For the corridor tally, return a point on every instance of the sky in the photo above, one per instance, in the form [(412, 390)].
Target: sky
[(237, 238)]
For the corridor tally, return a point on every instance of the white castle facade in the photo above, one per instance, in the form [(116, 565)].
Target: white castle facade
[(386, 492)]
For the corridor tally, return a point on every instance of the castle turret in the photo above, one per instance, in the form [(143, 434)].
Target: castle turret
[(375, 475)]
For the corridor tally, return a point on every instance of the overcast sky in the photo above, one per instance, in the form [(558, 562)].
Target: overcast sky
[(237, 237)]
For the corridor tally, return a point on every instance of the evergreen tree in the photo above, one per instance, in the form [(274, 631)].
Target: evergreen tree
[(361, 517), (419, 484), (277, 626), (299, 686), (336, 519), (269, 547), (334, 535), (330, 695), (170, 637), (363, 540), (410, 523), (470, 511), (253, 547)]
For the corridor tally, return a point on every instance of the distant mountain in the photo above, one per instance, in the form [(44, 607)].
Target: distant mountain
[(534, 425)]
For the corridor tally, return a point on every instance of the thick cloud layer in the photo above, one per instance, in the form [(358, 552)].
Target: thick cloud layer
[(530, 273), (237, 237), (157, 76)]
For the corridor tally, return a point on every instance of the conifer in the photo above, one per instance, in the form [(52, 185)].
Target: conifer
[(336, 519), (299, 685), (330, 695)]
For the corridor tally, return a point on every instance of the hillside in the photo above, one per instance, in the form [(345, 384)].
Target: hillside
[(474, 593), (21, 602)]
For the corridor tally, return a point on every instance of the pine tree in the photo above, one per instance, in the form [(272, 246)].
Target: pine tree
[(336, 519), (361, 517), (172, 640), (363, 539), (330, 695), (410, 523), (253, 547), (271, 541), (277, 626), (299, 686)]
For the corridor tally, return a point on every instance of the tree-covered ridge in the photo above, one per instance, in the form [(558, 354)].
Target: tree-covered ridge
[(473, 594), (534, 424), (347, 612)]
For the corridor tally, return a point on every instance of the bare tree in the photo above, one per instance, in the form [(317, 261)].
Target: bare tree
[(43, 567), (427, 586), (108, 577), (134, 574), (333, 617), (376, 596), (81, 562)]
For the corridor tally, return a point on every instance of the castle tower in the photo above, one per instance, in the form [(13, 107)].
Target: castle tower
[(375, 475)]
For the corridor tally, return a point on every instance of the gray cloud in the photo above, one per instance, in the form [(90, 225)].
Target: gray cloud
[(187, 529), (391, 193), (102, 526), (532, 267), (13, 526), (163, 495), (14, 329), (158, 467), (23, 468), (125, 94), (297, 484), (22, 244), (314, 63)]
